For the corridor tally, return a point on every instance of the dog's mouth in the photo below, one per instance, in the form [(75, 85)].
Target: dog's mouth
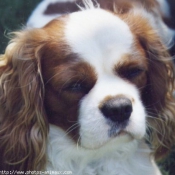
[(115, 138), (121, 133), (117, 129), (117, 134)]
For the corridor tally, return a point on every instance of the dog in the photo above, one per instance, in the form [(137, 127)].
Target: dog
[(91, 92)]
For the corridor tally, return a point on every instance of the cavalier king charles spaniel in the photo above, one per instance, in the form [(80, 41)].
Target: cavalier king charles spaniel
[(91, 92)]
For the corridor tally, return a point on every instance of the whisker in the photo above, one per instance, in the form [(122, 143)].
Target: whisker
[(57, 74), (151, 127), (73, 127), (152, 104), (155, 118), (144, 86), (158, 129), (78, 141)]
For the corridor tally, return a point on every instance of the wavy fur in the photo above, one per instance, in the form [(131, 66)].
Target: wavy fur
[(158, 97), (23, 126)]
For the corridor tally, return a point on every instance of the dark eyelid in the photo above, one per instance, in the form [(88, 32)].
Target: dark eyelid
[(131, 73), (76, 87)]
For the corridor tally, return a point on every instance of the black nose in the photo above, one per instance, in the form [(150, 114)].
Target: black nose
[(117, 109)]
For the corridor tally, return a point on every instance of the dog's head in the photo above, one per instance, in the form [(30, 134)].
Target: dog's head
[(96, 75)]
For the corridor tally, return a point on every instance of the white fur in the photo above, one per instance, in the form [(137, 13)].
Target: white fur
[(132, 158), (98, 37), (101, 39)]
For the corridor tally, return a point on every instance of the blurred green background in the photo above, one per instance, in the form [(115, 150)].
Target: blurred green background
[(13, 16)]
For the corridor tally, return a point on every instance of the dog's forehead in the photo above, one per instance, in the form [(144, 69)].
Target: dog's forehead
[(98, 36)]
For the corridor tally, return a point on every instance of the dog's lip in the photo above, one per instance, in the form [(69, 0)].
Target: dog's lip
[(121, 133)]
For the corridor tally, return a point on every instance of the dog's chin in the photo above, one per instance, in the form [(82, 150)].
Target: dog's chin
[(116, 140)]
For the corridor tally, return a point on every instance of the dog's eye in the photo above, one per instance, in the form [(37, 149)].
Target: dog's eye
[(77, 87), (132, 73)]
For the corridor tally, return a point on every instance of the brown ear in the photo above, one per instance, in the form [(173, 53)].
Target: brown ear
[(158, 97), (158, 93), (23, 126)]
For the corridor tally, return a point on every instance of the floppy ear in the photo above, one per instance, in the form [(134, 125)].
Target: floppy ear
[(23, 126), (157, 95)]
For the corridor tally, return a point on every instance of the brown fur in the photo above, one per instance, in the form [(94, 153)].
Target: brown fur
[(24, 125)]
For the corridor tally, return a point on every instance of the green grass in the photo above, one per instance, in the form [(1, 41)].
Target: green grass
[(13, 16)]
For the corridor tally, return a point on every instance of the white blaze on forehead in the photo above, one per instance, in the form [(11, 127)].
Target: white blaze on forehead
[(102, 39), (99, 37)]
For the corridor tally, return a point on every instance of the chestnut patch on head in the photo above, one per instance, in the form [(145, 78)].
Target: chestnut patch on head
[(67, 80), (133, 69)]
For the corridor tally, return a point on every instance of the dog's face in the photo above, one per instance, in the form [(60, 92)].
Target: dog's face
[(94, 82)]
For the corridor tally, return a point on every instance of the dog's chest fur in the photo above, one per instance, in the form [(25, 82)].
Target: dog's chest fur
[(129, 159)]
